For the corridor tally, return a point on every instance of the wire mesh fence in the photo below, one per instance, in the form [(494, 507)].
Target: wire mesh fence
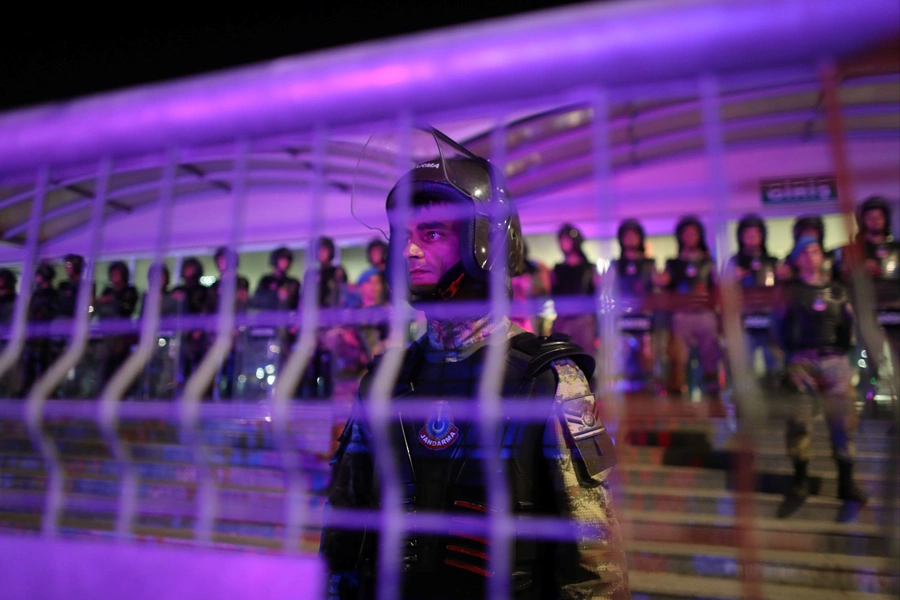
[(209, 420)]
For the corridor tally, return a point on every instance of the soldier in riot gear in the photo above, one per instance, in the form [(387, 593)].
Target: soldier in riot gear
[(191, 298), (277, 290), (816, 330), (755, 270), (690, 278), (227, 261), (7, 295), (117, 300), (10, 381), (555, 467), (575, 276), (161, 369), (879, 254), (634, 275), (68, 290), (39, 353), (327, 274)]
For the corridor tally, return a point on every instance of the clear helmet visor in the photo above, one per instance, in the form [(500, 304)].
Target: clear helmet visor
[(388, 158)]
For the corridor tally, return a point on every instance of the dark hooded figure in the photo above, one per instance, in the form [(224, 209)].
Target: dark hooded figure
[(575, 276), (451, 252), (691, 280)]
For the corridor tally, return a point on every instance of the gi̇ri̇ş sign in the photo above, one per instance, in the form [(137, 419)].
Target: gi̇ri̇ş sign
[(815, 188)]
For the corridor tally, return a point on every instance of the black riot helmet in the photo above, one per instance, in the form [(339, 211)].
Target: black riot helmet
[(875, 203), (278, 253), (750, 221), (231, 257), (813, 222), (7, 281), (196, 265), (76, 261), (376, 244), (121, 267), (684, 223), (46, 272), (161, 270), (630, 225), (328, 243), (477, 185)]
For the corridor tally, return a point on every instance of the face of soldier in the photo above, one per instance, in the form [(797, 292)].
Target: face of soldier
[(71, 273), (631, 239), (690, 237), (566, 244), (115, 278), (873, 220), (376, 255), (751, 238), (283, 264), (810, 259), (372, 291), (431, 246), (189, 272), (324, 254), (221, 263)]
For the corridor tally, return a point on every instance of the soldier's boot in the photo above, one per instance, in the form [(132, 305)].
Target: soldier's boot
[(798, 492), (851, 495)]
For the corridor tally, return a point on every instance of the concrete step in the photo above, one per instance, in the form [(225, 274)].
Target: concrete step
[(770, 482), (764, 459), (723, 503), (857, 539), (829, 571), (670, 586)]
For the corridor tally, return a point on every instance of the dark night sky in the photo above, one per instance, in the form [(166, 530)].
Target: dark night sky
[(55, 53)]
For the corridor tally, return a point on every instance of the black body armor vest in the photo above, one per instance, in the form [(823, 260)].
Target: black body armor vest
[(573, 280), (816, 318), (691, 276), (634, 278), (441, 467), (760, 269)]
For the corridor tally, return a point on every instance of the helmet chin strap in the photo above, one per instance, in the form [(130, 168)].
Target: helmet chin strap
[(455, 284)]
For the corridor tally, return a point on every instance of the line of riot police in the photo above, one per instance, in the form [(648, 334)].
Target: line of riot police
[(252, 365), (664, 317)]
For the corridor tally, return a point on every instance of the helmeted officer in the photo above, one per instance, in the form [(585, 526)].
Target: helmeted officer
[(192, 299), (575, 276), (879, 256), (39, 353), (816, 330), (68, 289), (7, 295), (634, 283), (278, 290), (755, 270), (117, 300), (555, 467), (690, 277), (160, 372)]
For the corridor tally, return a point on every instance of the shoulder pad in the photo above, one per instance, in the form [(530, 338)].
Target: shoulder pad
[(593, 447), (547, 349)]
